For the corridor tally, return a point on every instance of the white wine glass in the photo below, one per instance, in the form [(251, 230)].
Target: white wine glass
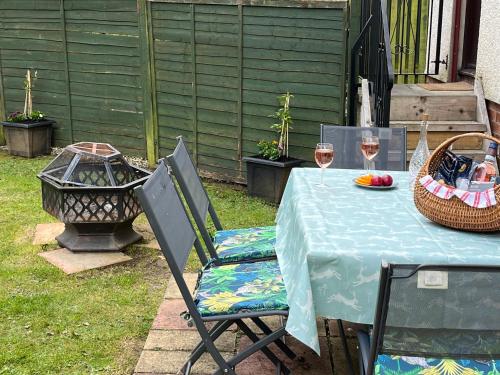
[(324, 158)]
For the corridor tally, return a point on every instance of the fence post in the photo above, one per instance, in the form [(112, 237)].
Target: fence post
[(148, 85), (66, 69), (194, 86), (3, 115), (240, 88)]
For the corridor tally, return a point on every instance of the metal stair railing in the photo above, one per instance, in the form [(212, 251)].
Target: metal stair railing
[(371, 59)]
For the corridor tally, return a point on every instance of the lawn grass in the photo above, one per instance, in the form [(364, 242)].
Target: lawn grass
[(93, 322)]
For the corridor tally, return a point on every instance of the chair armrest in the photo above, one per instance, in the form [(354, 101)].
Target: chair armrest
[(364, 349)]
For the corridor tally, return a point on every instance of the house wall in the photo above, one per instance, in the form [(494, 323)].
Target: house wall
[(488, 60)]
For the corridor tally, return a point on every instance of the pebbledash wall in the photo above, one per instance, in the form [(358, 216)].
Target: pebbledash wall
[(138, 73), (488, 60)]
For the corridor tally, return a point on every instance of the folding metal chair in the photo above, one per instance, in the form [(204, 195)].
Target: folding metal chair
[(434, 319), (346, 142), (224, 294), (234, 245)]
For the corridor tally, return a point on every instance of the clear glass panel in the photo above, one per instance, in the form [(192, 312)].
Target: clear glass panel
[(456, 316), (60, 164), (92, 164), (346, 142)]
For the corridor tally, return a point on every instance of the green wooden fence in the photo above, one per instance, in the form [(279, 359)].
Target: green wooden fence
[(139, 73)]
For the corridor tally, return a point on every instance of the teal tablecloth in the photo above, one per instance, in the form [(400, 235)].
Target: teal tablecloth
[(331, 242)]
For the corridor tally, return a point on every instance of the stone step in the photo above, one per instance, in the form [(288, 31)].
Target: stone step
[(409, 102)]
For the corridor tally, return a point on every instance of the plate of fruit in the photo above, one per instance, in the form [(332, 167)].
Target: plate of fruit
[(370, 181)]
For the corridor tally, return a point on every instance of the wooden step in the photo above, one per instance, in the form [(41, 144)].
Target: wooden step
[(477, 155), (439, 131), (409, 102), (441, 126)]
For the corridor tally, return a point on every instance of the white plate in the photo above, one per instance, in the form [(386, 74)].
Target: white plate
[(393, 186)]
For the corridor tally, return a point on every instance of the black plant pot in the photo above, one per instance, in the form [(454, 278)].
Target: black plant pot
[(267, 178), (28, 139)]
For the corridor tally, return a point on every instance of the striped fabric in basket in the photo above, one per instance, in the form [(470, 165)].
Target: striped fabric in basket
[(481, 199)]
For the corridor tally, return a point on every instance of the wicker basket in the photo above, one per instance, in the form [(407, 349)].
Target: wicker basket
[(453, 212)]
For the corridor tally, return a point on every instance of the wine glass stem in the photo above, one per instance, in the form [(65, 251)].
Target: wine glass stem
[(321, 178)]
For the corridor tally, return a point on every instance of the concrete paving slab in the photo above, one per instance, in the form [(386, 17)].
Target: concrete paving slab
[(47, 233), (174, 292), (175, 340), (170, 362), (145, 230), (273, 322), (168, 316), (153, 244), (70, 262)]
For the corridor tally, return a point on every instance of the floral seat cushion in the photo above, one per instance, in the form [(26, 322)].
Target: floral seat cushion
[(237, 288), (236, 245), (392, 365)]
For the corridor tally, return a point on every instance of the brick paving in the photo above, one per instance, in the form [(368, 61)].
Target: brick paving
[(170, 342)]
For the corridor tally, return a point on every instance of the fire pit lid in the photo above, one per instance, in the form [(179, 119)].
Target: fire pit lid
[(91, 164)]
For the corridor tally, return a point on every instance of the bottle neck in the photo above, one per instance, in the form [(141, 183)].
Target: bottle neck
[(423, 130)]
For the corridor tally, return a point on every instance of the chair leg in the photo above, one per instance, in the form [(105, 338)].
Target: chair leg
[(345, 345), (268, 353), (361, 363), (284, 348), (201, 348)]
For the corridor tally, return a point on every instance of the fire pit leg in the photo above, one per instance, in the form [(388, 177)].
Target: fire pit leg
[(98, 236)]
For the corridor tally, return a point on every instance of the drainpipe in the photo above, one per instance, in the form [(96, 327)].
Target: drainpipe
[(456, 40)]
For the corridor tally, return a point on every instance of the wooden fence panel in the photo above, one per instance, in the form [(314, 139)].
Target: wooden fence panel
[(38, 46), (220, 68), (105, 73), (294, 50), (174, 73), (138, 73)]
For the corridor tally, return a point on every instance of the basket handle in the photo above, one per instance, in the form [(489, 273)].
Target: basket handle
[(452, 140)]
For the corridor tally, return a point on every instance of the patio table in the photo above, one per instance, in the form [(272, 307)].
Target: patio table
[(331, 242)]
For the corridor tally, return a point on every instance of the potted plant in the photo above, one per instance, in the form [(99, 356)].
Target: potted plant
[(267, 172), (28, 133)]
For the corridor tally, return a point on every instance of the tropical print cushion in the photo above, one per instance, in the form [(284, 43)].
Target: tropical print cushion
[(236, 245), (392, 365), (235, 288)]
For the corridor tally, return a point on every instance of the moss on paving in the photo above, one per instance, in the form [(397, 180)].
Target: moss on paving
[(93, 322)]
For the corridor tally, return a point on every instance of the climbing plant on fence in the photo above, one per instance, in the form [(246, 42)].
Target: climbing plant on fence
[(137, 73)]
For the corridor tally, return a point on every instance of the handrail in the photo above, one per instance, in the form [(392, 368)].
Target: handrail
[(387, 42), (371, 59)]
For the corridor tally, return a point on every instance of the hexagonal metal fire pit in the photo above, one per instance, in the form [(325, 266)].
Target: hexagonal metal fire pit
[(89, 187)]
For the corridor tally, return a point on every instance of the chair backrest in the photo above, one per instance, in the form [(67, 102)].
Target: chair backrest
[(346, 142), (193, 190), (438, 311), (168, 219)]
